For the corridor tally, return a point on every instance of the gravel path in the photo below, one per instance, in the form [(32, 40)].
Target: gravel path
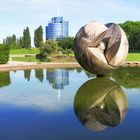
[(14, 65)]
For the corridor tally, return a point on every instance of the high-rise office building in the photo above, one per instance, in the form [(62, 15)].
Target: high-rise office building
[(57, 28)]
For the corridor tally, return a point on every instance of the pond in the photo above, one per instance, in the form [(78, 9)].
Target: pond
[(69, 104)]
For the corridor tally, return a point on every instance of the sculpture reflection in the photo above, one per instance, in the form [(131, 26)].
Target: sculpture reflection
[(100, 103)]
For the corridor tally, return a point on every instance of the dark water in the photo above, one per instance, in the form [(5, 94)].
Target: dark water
[(41, 105)]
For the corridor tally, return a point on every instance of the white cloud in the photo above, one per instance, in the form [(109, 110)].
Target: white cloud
[(38, 12)]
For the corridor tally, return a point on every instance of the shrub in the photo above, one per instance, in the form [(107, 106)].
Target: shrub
[(51, 46), (66, 43), (4, 54)]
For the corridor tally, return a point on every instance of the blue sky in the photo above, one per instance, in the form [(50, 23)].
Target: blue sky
[(15, 15)]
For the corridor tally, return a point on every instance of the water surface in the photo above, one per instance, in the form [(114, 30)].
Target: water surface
[(39, 105)]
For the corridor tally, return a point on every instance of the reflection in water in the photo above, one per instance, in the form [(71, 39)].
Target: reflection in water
[(39, 75), (58, 78), (100, 103), (4, 79), (27, 74), (34, 94), (127, 77)]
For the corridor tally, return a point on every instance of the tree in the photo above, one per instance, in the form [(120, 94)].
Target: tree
[(11, 41), (132, 30), (51, 46), (66, 43), (38, 37), (8, 41), (14, 40), (19, 42), (26, 40)]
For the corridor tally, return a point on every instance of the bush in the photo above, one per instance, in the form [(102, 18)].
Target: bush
[(4, 54), (66, 43), (51, 46)]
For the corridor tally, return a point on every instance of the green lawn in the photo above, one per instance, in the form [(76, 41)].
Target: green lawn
[(25, 59), (133, 57), (130, 57), (25, 51)]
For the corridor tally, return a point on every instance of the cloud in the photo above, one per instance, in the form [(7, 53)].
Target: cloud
[(38, 12)]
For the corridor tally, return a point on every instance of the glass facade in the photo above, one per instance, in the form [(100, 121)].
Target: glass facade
[(57, 29)]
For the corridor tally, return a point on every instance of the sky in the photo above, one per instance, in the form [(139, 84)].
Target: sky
[(15, 15)]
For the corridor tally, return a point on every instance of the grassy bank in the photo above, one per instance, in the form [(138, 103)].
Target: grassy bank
[(49, 59), (25, 51), (133, 57), (25, 59), (130, 57)]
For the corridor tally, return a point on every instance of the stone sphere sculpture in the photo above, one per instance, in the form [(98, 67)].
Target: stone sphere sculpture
[(100, 48), (102, 105)]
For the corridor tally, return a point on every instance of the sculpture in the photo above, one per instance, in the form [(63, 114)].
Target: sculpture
[(103, 105), (100, 48)]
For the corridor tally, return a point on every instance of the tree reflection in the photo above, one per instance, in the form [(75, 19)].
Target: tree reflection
[(127, 77), (4, 79), (100, 103), (27, 74), (39, 75)]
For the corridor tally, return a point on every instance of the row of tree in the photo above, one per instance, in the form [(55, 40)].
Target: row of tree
[(25, 41), (12, 41), (132, 30)]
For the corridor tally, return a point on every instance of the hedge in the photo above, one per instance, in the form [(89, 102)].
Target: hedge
[(4, 54)]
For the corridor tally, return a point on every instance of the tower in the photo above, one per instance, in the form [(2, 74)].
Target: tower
[(57, 28)]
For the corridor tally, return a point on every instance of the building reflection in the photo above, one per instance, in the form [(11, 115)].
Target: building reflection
[(59, 78), (100, 103)]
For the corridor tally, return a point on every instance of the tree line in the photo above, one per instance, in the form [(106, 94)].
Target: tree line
[(64, 46), (131, 28), (49, 46), (25, 40)]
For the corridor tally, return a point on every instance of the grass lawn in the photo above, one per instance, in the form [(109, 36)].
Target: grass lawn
[(49, 59), (25, 51), (133, 57), (25, 59), (130, 57)]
